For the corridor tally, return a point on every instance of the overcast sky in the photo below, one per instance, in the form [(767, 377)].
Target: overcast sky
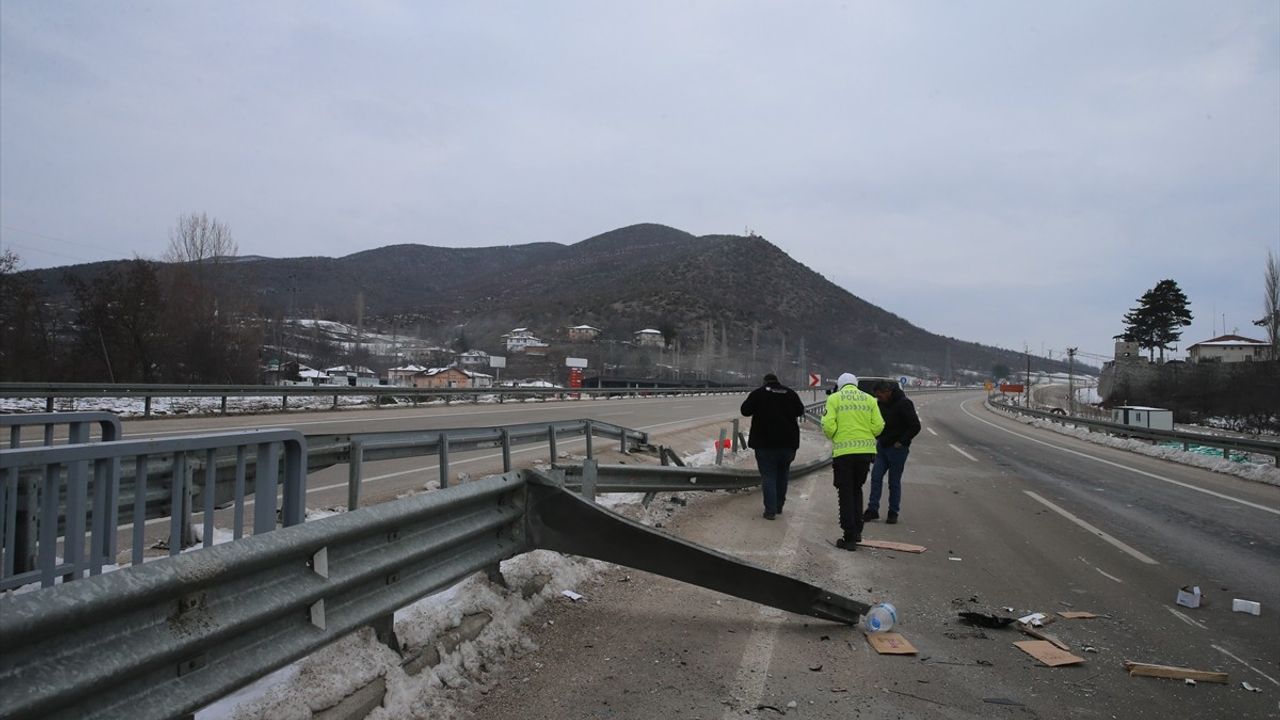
[(1014, 173)]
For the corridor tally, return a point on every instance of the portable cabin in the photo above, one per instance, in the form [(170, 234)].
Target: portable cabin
[(1151, 418)]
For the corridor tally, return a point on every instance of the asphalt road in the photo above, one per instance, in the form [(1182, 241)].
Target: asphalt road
[(1012, 516)]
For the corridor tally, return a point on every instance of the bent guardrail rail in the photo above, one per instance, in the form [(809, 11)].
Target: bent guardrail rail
[(592, 478), (169, 637), (67, 473), (1226, 443)]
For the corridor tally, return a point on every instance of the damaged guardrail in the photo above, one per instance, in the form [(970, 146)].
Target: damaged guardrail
[(169, 637), (1227, 444), (592, 478)]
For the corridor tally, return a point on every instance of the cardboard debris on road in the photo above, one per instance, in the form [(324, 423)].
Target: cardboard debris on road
[(890, 643), (1174, 673), (890, 545), (1045, 652), (571, 595), (1077, 615), (1041, 635)]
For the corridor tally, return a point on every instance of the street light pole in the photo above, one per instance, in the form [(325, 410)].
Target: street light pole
[(1071, 381)]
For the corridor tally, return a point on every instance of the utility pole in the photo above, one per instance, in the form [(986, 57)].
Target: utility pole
[(1028, 388), (1071, 381)]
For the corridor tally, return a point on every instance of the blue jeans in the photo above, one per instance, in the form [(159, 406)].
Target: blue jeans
[(890, 460), (775, 469)]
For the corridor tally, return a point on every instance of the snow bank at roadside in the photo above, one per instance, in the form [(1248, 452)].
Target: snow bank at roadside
[(1258, 468)]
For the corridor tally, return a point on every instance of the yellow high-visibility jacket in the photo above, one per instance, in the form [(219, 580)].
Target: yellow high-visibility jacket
[(852, 420)]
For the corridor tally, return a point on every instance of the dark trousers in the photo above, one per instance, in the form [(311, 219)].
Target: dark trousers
[(849, 473), (890, 461), (775, 469)]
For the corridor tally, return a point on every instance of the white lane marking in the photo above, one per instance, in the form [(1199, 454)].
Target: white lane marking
[(1108, 575), (1126, 548), (1226, 652), (1144, 473), (953, 447), (1186, 618), (757, 654), (931, 431)]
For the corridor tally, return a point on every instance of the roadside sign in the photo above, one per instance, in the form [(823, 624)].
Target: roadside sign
[(575, 362), (1012, 388), (815, 379), (902, 381), (496, 361), (987, 386)]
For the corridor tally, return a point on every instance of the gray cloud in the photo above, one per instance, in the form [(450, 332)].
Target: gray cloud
[(1003, 172)]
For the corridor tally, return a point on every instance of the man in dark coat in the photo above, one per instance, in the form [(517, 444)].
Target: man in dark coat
[(774, 410), (901, 424)]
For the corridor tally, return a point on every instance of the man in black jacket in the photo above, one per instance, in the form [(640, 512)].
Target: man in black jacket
[(774, 410), (901, 424)]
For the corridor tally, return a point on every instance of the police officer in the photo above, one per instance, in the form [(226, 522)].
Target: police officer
[(851, 421)]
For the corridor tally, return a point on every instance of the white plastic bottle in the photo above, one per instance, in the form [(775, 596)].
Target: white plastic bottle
[(880, 618)]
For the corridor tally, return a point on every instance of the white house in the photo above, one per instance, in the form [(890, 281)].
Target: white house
[(649, 338), (352, 375), (1229, 349), (521, 339), (1143, 417), (473, 359)]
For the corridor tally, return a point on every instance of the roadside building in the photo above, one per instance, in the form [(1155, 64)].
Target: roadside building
[(1229, 349), (403, 376), (521, 339), (451, 377), (583, 333), (472, 359), (649, 338), (352, 375)]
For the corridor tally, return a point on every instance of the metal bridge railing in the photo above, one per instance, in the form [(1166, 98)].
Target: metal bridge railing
[(169, 637), (77, 487)]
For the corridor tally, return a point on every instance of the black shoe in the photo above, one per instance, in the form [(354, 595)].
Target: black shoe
[(892, 519), (850, 545), (870, 515), (769, 516)]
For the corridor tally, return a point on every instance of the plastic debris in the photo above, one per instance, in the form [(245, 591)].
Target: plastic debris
[(1246, 606), (572, 595)]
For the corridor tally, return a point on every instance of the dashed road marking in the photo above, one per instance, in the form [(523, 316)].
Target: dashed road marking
[(1064, 513), (953, 447)]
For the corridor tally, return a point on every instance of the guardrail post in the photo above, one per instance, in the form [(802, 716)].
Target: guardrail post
[(146, 406), (720, 447), (335, 402), (506, 450), (590, 471), (587, 433), (551, 441), (444, 460), (48, 404), (384, 627), (209, 488), (77, 490), (736, 434), (224, 404), (284, 402), (355, 472), (266, 470)]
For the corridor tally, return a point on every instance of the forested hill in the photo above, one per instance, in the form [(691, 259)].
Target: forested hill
[(642, 276)]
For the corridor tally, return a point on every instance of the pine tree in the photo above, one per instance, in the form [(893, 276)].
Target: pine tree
[(1157, 321)]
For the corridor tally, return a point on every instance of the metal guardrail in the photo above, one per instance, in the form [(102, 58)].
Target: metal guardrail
[(52, 391), (168, 637), (593, 478), (79, 424), (68, 473), (1227, 444)]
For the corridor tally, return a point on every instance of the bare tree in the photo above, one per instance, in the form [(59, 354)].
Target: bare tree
[(1271, 320), (197, 238)]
